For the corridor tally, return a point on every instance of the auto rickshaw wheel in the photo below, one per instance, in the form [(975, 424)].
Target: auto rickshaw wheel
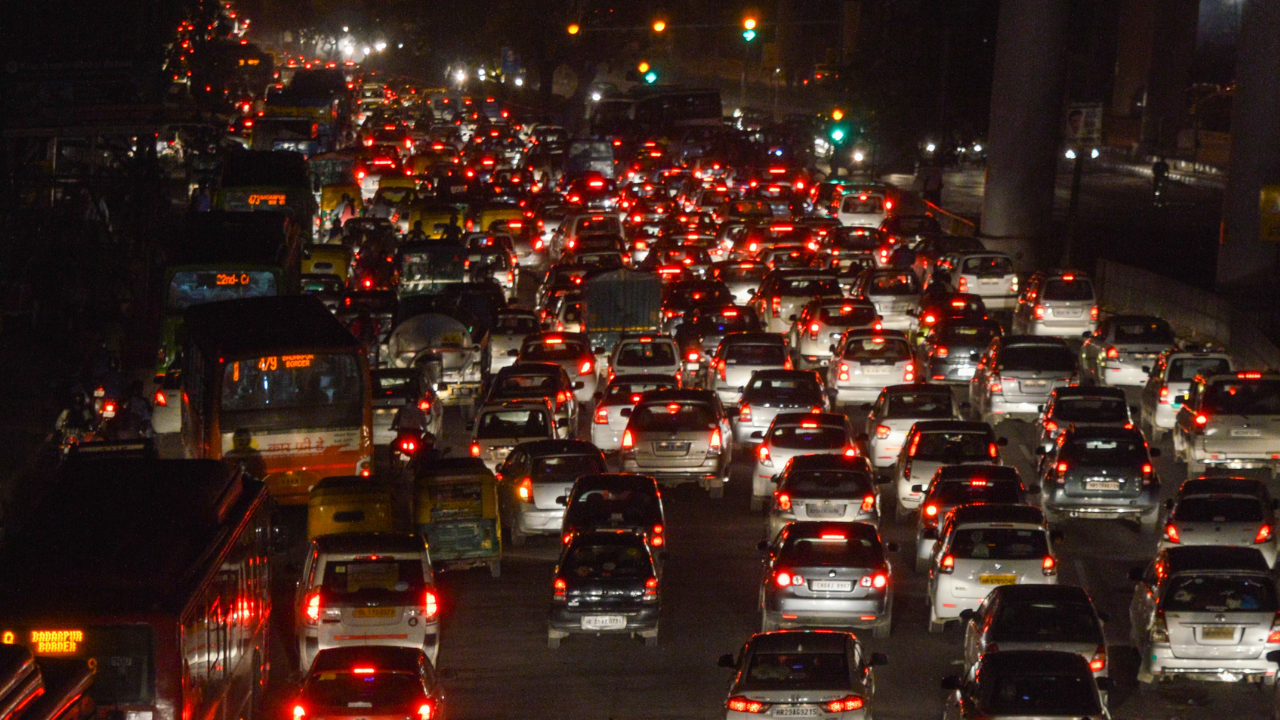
[(495, 568)]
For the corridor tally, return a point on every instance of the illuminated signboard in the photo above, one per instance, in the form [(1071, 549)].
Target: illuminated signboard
[(231, 279), (267, 199), (290, 362), (55, 642)]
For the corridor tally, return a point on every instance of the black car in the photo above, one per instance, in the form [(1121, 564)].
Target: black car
[(950, 352), (616, 501), (704, 327), (955, 485), (1063, 687), (680, 297), (1035, 617), (941, 307), (534, 477), (605, 583), (1103, 473), (1082, 406)]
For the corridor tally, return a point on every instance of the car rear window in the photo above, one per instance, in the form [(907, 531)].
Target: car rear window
[(592, 559), (903, 283), (836, 550), (516, 325), (566, 467), (1044, 358), (876, 348), (848, 315), (552, 352), (1068, 290), (967, 335), (1220, 593), (1218, 509), (374, 693), (1246, 397), (769, 355), (1042, 694), (1095, 409), (985, 543), (1186, 369), (827, 484), (734, 273), (951, 446), (526, 386), (389, 384), (960, 493), (372, 579), (798, 670), (672, 417), (1045, 621), (650, 354), (611, 507), (926, 406), (809, 287), (808, 438), (987, 266), (522, 423), (785, 389), (630, 392), (862, 204), (1145, 333), (1106, 451)]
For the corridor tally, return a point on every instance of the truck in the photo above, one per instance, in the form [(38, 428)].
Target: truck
[(621, 301)]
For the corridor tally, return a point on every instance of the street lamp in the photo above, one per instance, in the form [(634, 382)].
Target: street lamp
[(659, 25)]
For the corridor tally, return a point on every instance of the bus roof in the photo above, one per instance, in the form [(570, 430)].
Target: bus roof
[(217, 236), (254, 327), (124, 536)]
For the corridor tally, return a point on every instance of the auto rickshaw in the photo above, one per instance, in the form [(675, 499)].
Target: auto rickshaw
[(328, 260), (349, 504), (457, 512), (334, 176), (483, 218)]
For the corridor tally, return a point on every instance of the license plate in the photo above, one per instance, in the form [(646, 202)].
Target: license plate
[(458, 188), (824, 510), (603, 622), (672, 446), (875, 370), (1033, 384), (794, 711), (376, 612), (830, 586), (1217, 633), (998, 579), (1238, 432), (1101, 485), (965, 373)]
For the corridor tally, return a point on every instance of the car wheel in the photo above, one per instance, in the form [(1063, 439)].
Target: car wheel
[(650, 637), (495, 568), (518, 536), (881, 631), (757, 503), (553, 639)]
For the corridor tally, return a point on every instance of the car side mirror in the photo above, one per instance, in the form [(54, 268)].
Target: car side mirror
[(917, 488), (1135, 574), (726, 661), (877, 659), (562, 500), (732, 412), (952, 682), (967, 614), (1002, 442), (513, 353), (578, 385), (763, 546), (891, 547), (625, 412), (739, 390), (831, 348), (562, 422)]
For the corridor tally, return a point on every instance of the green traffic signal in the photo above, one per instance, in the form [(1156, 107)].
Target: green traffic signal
[(651, 77), (837, 134), (748, 35)]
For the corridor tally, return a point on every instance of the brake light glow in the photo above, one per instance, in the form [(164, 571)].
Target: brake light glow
[(299, 712), (1099, 661), (764, 457), (1202, 419), (475, 449), (1039, 312), (947, 564), (741, 704), (744, 413), (628, 442), (1112, 353), (1171, 533), (996, 386), (1061, 468), (159, 400), (783, 500), (993, 450), (716, 443), (1093, 313), (847, 704), (1250, 375), (844, 371), (915, 443), (1049, 566), (586, 367), (1264, 534), (787, 579), (312, 609)]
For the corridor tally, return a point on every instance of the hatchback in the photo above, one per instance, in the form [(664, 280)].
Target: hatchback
[(703, 329), (572, 351), (821, 323), (793, 434), (1116, 353), (955, 485), (865, 209), (1016, 374), (896, 295), (990, 275), (773, 391), (536, 381), (802, 673), (866, 362), (1101, 473), (614, 405), (898, 408), (1223, 511), (742, 277), (951, 352), (945, 307), (498, 428), (824, 487), (1041, 684), (679, 436), (645, 354), (1058, 304), (783, 292), (508, 334), (605, 583), (1035, 617), (371, 681), (983, 546), (534, 476), (827, 574), (616, 502), (931, 444), (1170, 377), (739, 355)]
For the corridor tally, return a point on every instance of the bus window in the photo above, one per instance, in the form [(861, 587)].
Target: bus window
[(291, 382), (193, 287)]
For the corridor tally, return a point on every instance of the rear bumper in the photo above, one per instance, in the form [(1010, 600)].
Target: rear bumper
[(1116, 374), (1161, 661), (704, 474), (1061, 328), (798, 613), (1002, 409), (542, 522), (857, 393), (1102, 509), (564, 620)]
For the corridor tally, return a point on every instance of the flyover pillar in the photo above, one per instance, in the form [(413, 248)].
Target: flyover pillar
[(1026, 127), (1245, 263)]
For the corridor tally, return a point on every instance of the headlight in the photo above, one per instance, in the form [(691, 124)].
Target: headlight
[(858, 156)]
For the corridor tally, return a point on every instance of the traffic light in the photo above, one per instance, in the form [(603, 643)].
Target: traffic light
[(837, 133), (643, 67), (837, 114), (749, 29), (651, 77), (573, 29), (659, 25)]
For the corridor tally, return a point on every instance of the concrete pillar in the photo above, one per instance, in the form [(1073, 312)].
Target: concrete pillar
[(1173, 46), (1026, 127), (1245, 263)]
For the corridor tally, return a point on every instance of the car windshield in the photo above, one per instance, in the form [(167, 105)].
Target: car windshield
[(522, 423), (987, 266), (385, 580), (516, 325), (827, 484), (763, 355), (376, 693), (1042, 358), (672, 417), (1045, 621), (1041, 694), (1068, 290), (1186, 369), (848, 315), (862, 204), (808, 287), (877, 348), (552, 352), (903, 283), (985, 543), (1220, 593), (566, 467), (1144, 333), (837, 548), (1097, 452), (925, 406), (967, 335), (961, 493), (630, 392), (951, 446), (1219, 509), (591, 558), (808, 438), (647, 354), (796, 390), (1090, 409), (1244, 397)]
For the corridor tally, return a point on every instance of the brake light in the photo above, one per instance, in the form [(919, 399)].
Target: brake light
[(1112, 353), (312, 609), (525, 490), (424, 711), (844, 371), (882, 432), (996, 386), (408, 445), (475, 449), (1274, 636), (560, 586), (628, 442), (1164, 395), (947, 564), (763, 455), (783, 500), (299, 712), (586, 367), (1171, 533), (160, 400), (741, 704), (1049, 566), (1050, 427), (776, 304), (430, 604), (1146, 468), (1202, 419), (941, 351), (723, 375), (1093, 313), (931, 510), (1039, 312), (787, 579), (1099, 661), (1249, 375), (993, 450), (963, 284), (929, 319), (851, 451), (915, 443), (813, 331), (1264, 534), (1061, 468), (909, 373), (847, 704), (716, 444), (602, 416)]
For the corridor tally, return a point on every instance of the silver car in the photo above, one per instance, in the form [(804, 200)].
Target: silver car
[(739, 355), (1015, 376), (1057, 304), (817, 330), (896, 295), (534, 476), (615, 403), (897, 409), (1207, 613), (508, 334), (1035, 617), (1170, 377), (498, 428), (773, 391), (1230, 421), (827, 574), (742, 277), (679, 436), (824, 487), (645, 354), (572, 351), (1223, 511), (932, 444), (990, 275), (802, 673), (866, 362), (1116, 353), (784, 292), (792, 434)]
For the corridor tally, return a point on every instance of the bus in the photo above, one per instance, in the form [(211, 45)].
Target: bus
[(280, 387), (226, 256), (653, 111), (153, 574), (257, 180)]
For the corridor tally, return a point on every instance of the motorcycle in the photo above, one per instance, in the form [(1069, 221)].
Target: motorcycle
[(409, 447)]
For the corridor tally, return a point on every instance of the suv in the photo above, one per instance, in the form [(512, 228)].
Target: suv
[(955, 485), (1058, 304), (1122, 346), (498, 428), (1230, 421), (1101, 472), (1016, 374), (679, 436), (605, 583), (1080, 407), (824, 487), (1168, 378), (367, 589), (617, 501), (615, 403), (814, 334), (1062, 686), (534, 476), (792, 434), (783, 292), (866, 362)]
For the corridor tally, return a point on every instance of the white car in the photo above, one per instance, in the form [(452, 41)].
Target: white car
[(508, 334), (646, 354), (793, 434), (864, 209), (896, 411), (1170, 378), (984, 546), (989, 275), (739, 355), (1223, 511), (866, 362), (896, 295), (615, 403), (1121, 351)]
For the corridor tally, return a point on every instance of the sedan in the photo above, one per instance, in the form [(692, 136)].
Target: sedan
[(534, 476), (1042, 684), (1116, 353), (866, 362), (802, 673), (794, 434), (679, 436), (774, 391), (1035, 617), (371, 681), (572, 351), (1089, 406), (824, 487), (894, 413), (956, 485), (615, 403), (1016, 374), (1223, 511), (950, 353), (931, 444)]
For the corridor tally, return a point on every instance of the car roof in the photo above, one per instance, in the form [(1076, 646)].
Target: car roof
[(560, 447), (1080, 391), (1104, 432), (798, 641), (1224, 486), (1008, 340), (823, 419), (816, 528), (383, 657), (951, 426), (1032, 662), (979, 470), (371, 542), (640, 377), (775, 374), (674, 394), (975, 513), (531, 368), (1034, 592), (913, 389), (828, 461), (868, 332), (1197, 558)]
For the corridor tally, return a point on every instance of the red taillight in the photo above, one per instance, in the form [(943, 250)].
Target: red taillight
[(693, 356), (1146, 468), (763, 454), (776, 305), (788, 579), (931, 510), (425, 711), (947, 564), (723, 374), (1039, 312), (424, 405), (160, 400), (1112, 353), (993, 450), (1099, 661), (882, 432), (1049, 566), (741, 704), (1093, 313), (915, 443), (408, 445), (1164, 395), (627, 441), (844, 371), (941, 351), (312, 609), (868, 503), (560, 586), (962, 285), (909, 373), (1050, 427), (525, 490), (995, 386), (846, 704), (1061, 468), (1202, 419), (602, 416), (475, 449), (1171, 533), (1264, 534), (783, 500), (299, 712), (586, 367), (430, 604), (929, 319), (716, 443)]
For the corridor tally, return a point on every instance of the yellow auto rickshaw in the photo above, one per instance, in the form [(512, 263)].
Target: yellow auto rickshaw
[(486, 216), (328, 260), (350, 504), (401, 180), (457, 512)]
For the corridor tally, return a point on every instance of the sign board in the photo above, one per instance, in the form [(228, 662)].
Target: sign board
[(1083, 126), (1269, 213)]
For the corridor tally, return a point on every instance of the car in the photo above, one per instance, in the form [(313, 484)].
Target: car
[(679, 436), (534, 476), (783, 292), (823, 487), (982, 546), (615, 403), (1081, 406), (509, 331), (536, 380), (668, 254), (645, 353), (572, 351), (1035, 617), (1056, 304), (1229, 421), (1047, 684), (570, 312), (366, 589), (682, 296), (955, 485), (930, 444), (787, 256), (950, 352), (896, 410), (792, 434), (1223, 511), (1205, 612), (739, 355), (703, 329), (605, 583), (1016, 374), (895, 293), (1116, 353), (846, 245), (820, 324), (499, 427), (496, 263), (1170, 377), (1101, 473), (742, 277), (941, 307), (613, 501), (989, 275), (827, 574), (770, 392), (397, 388), (866, 362), (802, 673), (865, 209), (371, 680)]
